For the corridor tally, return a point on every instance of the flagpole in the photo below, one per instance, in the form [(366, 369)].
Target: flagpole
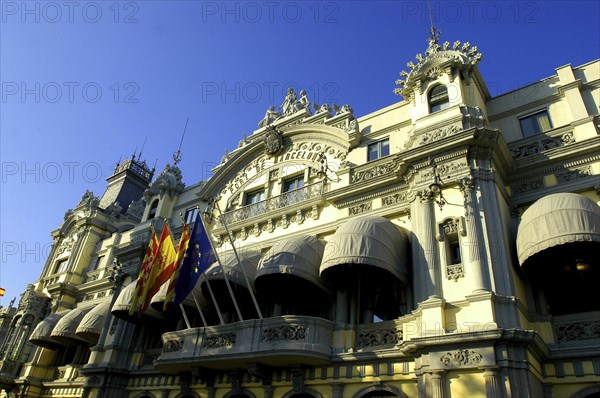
[(235, 304), (212, 295), (185, 318), (250, 290), (199, 309)]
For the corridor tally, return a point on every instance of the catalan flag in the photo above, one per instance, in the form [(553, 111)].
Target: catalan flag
[(181, 252), (162, 268), (198, 257), (2, 291), (144, 274)]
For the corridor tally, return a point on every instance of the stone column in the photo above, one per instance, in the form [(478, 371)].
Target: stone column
[(424, 247), (492, 383), (437, 384), (338, 390), (341, 307), (268, 390), (475, 263)]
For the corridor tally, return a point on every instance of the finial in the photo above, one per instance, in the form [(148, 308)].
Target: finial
[(177, 155), (142, 150)]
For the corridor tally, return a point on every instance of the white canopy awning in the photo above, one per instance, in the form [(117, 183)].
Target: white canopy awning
[(120, 308), (299, 256), (41, 334), (372, 241), (91, 325), (555, 220), (249, 259), (64, 331)]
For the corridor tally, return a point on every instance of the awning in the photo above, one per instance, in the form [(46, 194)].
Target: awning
[(299, 256), (121, 306), (555, 220), (64, 331), (91, 325), (249, 259), (158, 300), (41, 334), (372, 241)]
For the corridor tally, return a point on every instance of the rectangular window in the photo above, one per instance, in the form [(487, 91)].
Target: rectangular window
[(61, 266), (535, 124), (190, 215), (378, 149), (254, 197), (293, 183), (454, 249)]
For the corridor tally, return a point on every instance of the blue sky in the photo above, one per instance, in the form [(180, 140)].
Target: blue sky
[(84, 83)]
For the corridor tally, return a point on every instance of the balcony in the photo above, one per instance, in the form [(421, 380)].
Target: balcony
[(277, 210), (273, 341)]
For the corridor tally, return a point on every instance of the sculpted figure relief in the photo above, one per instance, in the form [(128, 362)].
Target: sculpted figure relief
[(270, 116)]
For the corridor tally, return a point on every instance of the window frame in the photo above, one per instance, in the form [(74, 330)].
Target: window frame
[(441, 103), (379, 149), (536, 126), (190, 214), (250, 194), (286, 184)]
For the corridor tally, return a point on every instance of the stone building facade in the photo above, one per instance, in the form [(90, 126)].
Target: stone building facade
[(444, 246)]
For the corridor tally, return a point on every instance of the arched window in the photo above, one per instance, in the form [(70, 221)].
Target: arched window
[(153, 209), (438, 98)]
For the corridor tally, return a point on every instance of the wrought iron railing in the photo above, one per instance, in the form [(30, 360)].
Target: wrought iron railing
[(274, 203)]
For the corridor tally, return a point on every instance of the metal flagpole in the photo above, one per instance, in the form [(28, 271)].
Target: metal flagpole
[(199, 309), (235, 304), (212, 295), (185, 318), (238, 260)]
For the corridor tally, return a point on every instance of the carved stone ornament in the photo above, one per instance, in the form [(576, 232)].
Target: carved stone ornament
[(461, 358), (577, 331), (89, 200), (378, 337), (273, 142), (284, 333), (173, 345), (373, 171), (438, 134), (465, 56), (114, 210), (136, 208), (541, 145), (219, 340), (168, 181)]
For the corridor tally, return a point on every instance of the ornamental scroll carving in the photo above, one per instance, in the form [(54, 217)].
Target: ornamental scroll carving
[(378, 337), (461, 358), (283, 333), (219, 340), (571, 175), (173, 345), (393, 199), (361, 208), (578, 331), (541, 145), (438, 134), (377, 170)]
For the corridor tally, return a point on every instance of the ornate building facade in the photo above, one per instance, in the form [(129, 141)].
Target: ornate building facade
[(444, 246)]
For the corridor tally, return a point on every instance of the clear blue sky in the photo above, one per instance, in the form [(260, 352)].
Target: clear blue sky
[(84, 83)]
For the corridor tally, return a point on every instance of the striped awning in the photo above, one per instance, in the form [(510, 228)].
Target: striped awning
[(249, 259), (64, 331), (120, 308), (41, 335), (299, 256), (370, 241), (555, 220), (91, 325)]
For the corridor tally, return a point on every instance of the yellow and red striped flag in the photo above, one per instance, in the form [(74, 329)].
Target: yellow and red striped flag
[(184, 240), (144, 274)]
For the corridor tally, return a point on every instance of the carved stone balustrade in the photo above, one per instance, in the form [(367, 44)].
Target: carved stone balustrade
[(271, 341), (578, 329), (277, 211)]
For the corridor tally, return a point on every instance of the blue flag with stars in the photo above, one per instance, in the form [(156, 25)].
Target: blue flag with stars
[(198, 257)]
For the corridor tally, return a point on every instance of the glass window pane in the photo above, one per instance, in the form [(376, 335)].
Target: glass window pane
[(385, 148)]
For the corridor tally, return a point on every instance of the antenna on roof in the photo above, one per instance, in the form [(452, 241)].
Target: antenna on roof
[(143, 145), (177, 155), (435, 34), (134, 153)]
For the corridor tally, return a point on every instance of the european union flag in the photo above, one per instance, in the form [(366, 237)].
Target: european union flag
[(198, 257)]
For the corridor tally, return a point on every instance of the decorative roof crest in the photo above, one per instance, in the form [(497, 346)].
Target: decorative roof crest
[(435, 54)]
